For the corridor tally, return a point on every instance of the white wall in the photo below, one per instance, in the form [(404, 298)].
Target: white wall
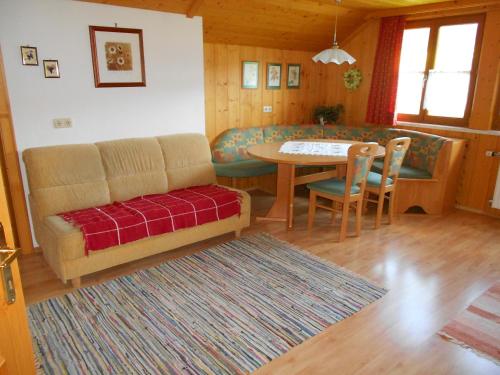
[(171, 102)]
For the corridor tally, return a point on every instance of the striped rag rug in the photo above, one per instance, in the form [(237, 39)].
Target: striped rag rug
[(226, 310), (478, 327)]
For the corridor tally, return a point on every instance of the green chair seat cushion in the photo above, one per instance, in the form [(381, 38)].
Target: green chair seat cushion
[(332, 186), (404, 172), (375, 179), (244, 168)]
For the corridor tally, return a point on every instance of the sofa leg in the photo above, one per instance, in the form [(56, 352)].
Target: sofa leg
[(237, 234), (76, 282)]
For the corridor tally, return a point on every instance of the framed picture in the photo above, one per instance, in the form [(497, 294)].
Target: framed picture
[(250, 75), (51, 69), (293, 76), (29, 55), (273, 76), (117, 56)]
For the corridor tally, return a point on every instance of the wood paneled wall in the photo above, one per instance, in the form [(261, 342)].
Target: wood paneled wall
[(479, 171), (227, 105)]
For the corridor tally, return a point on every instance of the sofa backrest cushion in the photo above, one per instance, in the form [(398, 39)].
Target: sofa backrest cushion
[(188, 160), (232, 144), (66, 178), (281, 133), (133, 167)]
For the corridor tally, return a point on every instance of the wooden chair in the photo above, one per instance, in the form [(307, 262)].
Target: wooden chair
[(385, 183), (348, 192)]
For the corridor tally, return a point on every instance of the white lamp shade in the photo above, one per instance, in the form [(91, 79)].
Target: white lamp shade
[(334, 55)]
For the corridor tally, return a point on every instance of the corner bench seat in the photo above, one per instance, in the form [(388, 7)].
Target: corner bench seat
[(428, 176)]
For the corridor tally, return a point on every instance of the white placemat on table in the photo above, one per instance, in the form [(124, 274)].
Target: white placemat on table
[(315, 148)]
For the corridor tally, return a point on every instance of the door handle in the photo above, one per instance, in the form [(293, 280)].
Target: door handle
[(7, 256)]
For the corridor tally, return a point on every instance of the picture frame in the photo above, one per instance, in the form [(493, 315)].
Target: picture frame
[(250, 74), (117, 56), (273, 76), (29, 55), (51, 69), (293, 76)]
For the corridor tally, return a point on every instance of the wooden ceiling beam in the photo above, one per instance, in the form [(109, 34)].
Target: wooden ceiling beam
[(194, 8), (446, 6)]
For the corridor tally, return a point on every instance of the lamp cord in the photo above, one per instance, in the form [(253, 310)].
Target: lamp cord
[(336, 20)]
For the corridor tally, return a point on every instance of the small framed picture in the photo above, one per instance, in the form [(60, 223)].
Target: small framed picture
[(273, 76), (29, 55), (51, 69), (293, 76), (250, 74)]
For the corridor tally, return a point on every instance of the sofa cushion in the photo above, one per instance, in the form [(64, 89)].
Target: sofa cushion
[(63, 242), (281, 133), (244, 168), (123, 222), (232, 144), (188, 161), (65, 178), (134, 167), (332, 186), (404, 172)]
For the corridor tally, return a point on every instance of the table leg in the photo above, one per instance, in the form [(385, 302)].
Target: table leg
[(282, 208)]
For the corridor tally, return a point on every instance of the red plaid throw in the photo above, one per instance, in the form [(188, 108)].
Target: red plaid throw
[(151, 215)]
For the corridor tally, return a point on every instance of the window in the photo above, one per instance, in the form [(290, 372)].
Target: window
[(437, 71)]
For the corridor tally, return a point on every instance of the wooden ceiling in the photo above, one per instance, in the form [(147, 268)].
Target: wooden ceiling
[(287, 24)]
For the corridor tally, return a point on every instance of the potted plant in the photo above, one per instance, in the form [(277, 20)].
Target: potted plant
[(328, 114)]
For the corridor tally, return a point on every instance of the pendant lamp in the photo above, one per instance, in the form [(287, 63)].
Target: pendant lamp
[(334, 54)]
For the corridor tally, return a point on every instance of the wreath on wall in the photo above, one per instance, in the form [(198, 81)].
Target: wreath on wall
[(352, 78)]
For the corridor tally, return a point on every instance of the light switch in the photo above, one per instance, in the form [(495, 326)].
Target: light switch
[(60, 123)]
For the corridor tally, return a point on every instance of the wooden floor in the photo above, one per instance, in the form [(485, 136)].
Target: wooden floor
[(433, 267)]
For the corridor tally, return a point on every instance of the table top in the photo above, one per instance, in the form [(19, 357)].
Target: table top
[(270, 152)]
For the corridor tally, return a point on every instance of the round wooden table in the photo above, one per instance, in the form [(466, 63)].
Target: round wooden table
[(282, 208)]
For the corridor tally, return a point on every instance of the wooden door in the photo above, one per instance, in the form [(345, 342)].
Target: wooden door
[(16, 351)]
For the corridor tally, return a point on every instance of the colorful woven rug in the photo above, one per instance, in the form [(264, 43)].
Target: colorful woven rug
[(478, 327), (226, 310)]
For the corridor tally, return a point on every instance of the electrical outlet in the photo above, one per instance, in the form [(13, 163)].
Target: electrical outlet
[(60, 123), (268, 109)]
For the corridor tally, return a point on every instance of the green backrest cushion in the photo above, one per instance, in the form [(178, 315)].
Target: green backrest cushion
[(422, 154), (232, 144), (424, 149), (360, 170), (281, 133)]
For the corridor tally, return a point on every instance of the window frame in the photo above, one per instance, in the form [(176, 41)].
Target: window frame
[(434, 24)]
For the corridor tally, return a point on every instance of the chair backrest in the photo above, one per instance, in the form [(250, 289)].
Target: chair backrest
[(359, 161), (395, 151)]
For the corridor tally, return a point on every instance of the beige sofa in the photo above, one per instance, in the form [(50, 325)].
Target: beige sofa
[(72, 177)]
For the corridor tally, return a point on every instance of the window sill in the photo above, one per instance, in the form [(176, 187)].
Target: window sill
[(446, 127)]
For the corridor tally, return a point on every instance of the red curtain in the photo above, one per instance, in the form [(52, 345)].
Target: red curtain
[(382, 100)]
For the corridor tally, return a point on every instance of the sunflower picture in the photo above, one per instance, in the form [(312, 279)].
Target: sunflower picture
[(118, 56)]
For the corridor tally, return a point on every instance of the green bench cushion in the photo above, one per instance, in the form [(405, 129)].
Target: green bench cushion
[(405, 171), (244, 168), (281, 133), (375, 179), (332, 186), (232, 144)]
